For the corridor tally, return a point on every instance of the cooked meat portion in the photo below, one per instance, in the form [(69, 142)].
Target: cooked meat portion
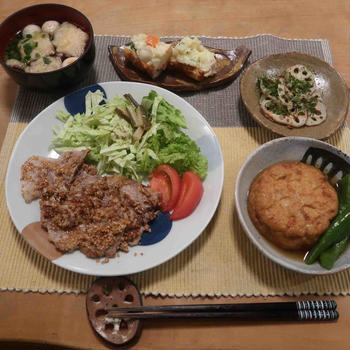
[(38, 173), (34, 177), (80, 210)]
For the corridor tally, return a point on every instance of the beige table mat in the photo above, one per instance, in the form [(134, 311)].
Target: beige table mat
[(222, 261)]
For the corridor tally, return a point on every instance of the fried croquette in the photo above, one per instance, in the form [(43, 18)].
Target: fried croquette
[(291, 204)]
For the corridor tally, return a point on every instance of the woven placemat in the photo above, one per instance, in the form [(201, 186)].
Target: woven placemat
[(222, 261)]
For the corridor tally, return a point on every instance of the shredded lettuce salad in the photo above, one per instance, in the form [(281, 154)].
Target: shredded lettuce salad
[(109, 137)]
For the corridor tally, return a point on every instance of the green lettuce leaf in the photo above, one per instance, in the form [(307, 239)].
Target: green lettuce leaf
[(159, 108), (109, 138)]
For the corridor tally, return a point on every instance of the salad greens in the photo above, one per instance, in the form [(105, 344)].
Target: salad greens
[(109, 137)]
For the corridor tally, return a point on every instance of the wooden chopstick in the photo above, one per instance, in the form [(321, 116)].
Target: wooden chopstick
[(277, 315), (243, 307)]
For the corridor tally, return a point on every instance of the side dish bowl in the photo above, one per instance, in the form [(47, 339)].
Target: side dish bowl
[(329, 84), (38, 14), (279, 150)]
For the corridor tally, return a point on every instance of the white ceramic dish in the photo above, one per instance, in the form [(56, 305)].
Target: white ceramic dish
[(36, 139), (291, 149)]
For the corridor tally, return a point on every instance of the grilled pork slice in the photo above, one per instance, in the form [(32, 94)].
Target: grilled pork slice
[(34, 177), (37, 173), (98, 215)]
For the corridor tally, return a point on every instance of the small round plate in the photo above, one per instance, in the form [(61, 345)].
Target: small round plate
[(328, 81), (279, 150)]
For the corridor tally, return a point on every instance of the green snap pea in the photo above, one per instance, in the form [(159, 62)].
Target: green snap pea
[(339, 229), (336, 232), (329, 257), (344, 193)]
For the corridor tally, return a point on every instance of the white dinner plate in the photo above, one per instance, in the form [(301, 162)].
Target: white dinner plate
[(35, 140)]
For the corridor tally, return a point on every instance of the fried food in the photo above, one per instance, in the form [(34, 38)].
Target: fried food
[(292, 204), (99, 215), (188, 56), (193, 59), (148, 54)]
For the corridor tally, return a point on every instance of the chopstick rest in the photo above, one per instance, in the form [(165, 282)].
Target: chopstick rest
[(115, 311), (110, 292)]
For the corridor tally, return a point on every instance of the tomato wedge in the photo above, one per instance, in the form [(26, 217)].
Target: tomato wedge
[(152, 40), (166, 181), (191, 192), (160, 184)]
